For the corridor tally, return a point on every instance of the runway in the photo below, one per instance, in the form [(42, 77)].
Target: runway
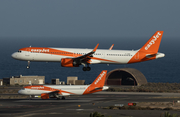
[(82, 106)]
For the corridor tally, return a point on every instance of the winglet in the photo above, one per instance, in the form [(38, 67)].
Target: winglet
[(96, 48), (88, 54), (111, 47)]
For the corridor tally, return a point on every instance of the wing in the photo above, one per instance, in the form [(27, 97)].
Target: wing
[(85, 58), (54, 92), (60, 92)]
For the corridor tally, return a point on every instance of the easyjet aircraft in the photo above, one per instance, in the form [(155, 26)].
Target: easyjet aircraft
[(73, 57), (57, 91)]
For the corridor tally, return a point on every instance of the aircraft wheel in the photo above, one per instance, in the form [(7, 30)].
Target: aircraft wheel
[(88, 68), (30, 97), (28, 66), (84, 69), (63, 98)]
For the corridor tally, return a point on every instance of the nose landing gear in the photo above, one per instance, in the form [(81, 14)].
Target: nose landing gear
[(28, 66)]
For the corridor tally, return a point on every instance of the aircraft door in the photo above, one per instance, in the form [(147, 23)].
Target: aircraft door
[(137, 56), (27, 52), (75, 54), (103, 55), (90, 89)]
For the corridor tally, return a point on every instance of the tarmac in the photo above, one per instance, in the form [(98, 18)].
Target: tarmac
[(82, 106)]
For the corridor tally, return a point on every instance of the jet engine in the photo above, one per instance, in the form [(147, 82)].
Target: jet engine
[(45, 96), (68, 62)]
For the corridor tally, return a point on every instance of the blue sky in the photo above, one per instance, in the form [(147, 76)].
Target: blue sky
[(82, 24), (89, 18)]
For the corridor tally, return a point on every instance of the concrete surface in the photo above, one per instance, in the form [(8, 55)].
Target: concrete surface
[(82, 106)]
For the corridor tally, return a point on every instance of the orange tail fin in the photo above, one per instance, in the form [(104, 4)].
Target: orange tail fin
[(98, 83), (152, 45)]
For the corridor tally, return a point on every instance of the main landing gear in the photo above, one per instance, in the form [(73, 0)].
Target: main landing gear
[(28, 66), (86, 68), (30, 97), (63, 98)]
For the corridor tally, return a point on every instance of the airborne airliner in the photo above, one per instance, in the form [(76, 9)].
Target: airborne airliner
[(57, 91), (73, 57)]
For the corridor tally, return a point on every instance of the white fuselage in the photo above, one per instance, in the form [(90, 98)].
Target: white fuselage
[(66, 90), (100, 56)]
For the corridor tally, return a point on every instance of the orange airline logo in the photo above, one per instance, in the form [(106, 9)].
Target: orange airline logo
[(37, 87), (100, 77), (39, 50), (45, 88), (155, 37)]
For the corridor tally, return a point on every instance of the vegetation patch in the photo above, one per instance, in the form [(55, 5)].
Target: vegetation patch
[(148, 106), (135, 108), (96, 114), (149, 87), (167, 114)]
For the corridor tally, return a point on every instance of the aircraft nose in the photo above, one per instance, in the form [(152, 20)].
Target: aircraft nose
[(19, 92), (14, 55)]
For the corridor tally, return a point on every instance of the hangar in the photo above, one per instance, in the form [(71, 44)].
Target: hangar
[(125, 76)]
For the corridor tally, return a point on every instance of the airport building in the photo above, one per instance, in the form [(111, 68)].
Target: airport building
[(120, 76), (1, 82), (73, 80), (125, 76), (24, 80), (80, 82), (55, 81)]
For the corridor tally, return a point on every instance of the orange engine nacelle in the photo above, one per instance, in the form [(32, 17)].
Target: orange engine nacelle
[(67, 62), (45, 96)]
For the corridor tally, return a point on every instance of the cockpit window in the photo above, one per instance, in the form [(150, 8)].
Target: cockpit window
[(19, 51)]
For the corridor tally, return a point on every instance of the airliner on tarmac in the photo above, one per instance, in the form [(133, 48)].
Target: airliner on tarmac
[(73, 57), (57, 91)]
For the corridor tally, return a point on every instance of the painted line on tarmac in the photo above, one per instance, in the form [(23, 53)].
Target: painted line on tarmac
[(80, 109), (59, 101)]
